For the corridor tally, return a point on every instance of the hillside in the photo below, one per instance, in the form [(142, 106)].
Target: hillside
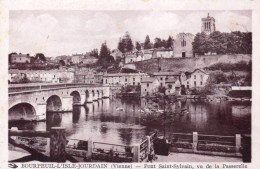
[(188, 64)]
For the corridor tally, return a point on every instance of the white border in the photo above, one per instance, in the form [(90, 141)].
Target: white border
[(6, 5)]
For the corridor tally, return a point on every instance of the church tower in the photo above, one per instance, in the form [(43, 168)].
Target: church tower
[(208, 25)]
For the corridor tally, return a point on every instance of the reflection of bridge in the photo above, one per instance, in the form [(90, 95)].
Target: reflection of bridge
[(35, 100)]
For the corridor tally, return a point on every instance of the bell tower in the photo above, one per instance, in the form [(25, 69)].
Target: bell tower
[(208, 25)]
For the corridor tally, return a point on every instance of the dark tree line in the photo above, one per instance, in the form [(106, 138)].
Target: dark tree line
[(125, 44), (223, 43)]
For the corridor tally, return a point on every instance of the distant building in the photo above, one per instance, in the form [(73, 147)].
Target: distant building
[(183, 45), (133, 58), (196, 79), (85, 76), (20, 58), (172, 86), (147, 54), (208, 25), (117, 54), (164, 76), (89, 59), (77, 58), (162, 53), (123, 79), (46, 76), (149, 85)]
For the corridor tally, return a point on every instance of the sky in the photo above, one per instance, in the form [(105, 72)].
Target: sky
[(56, 33)]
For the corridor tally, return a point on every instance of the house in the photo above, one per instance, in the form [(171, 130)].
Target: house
[(163, 76), (149, 85), (162, 53), (46, 76), (172, 86), (20, 58), (117, 54), (196, 79), (123, 79), (89, 59), (183, 45), (147, 54), (133, 57), (77, 58)]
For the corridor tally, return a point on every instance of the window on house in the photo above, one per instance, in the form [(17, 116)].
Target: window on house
[(161, 78), (133, 79), (133, 83), (201, 77), (194, 76), (170, 86), (201, 83), (147, 85), (125, 80), (194, 84)]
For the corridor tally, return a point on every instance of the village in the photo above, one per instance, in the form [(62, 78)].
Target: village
[(126, 104), (84, 68)]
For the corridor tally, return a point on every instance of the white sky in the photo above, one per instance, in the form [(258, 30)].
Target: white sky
[(57, 33)]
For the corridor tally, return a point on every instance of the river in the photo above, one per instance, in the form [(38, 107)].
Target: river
[(104, 121)]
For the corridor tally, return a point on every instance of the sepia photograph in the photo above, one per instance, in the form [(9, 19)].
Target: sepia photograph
[(130, 86)]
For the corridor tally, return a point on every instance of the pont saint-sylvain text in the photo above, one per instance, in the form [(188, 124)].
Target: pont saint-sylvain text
[(184, 166)]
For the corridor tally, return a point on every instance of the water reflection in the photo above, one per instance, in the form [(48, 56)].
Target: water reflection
[(118, 121)]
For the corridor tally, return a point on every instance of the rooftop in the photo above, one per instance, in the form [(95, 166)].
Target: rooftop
[(148, 79), (166, 73)]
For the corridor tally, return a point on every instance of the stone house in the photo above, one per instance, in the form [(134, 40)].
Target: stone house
[(183, 45), (46, 76), (117, 54), (172, 86), (123, 79), (196, 79), (89, 60), (163, 76), (20, 58), (162, 53), (149, 85)]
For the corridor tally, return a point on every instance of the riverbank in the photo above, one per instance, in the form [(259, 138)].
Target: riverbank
[(186, 157)]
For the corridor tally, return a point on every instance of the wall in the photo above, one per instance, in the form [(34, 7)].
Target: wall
[(188, 64)]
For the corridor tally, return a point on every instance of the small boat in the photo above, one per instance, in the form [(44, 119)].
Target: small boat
[(119, 109)]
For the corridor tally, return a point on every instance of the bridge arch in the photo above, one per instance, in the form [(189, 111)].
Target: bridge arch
[(76, 97), (20, 111), (54, 103)]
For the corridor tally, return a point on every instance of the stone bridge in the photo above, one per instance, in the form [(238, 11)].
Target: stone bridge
[(32, 101)]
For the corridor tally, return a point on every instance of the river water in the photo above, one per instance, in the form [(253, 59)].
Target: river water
[(103, 120)]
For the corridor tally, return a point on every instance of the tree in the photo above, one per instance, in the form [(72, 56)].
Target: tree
[(94, 53), (62, 63), (104, 55), (138, 46), (169, 42), (40, 56), (125, 44), (157, 43), (147, 43)]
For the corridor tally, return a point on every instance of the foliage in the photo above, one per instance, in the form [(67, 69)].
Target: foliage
[(125, 44), (239, 66), (138, 46), (223, 43), (104, 55), (158, 43), (40, 56), (147, 43), (62, 63), (94, 53)]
